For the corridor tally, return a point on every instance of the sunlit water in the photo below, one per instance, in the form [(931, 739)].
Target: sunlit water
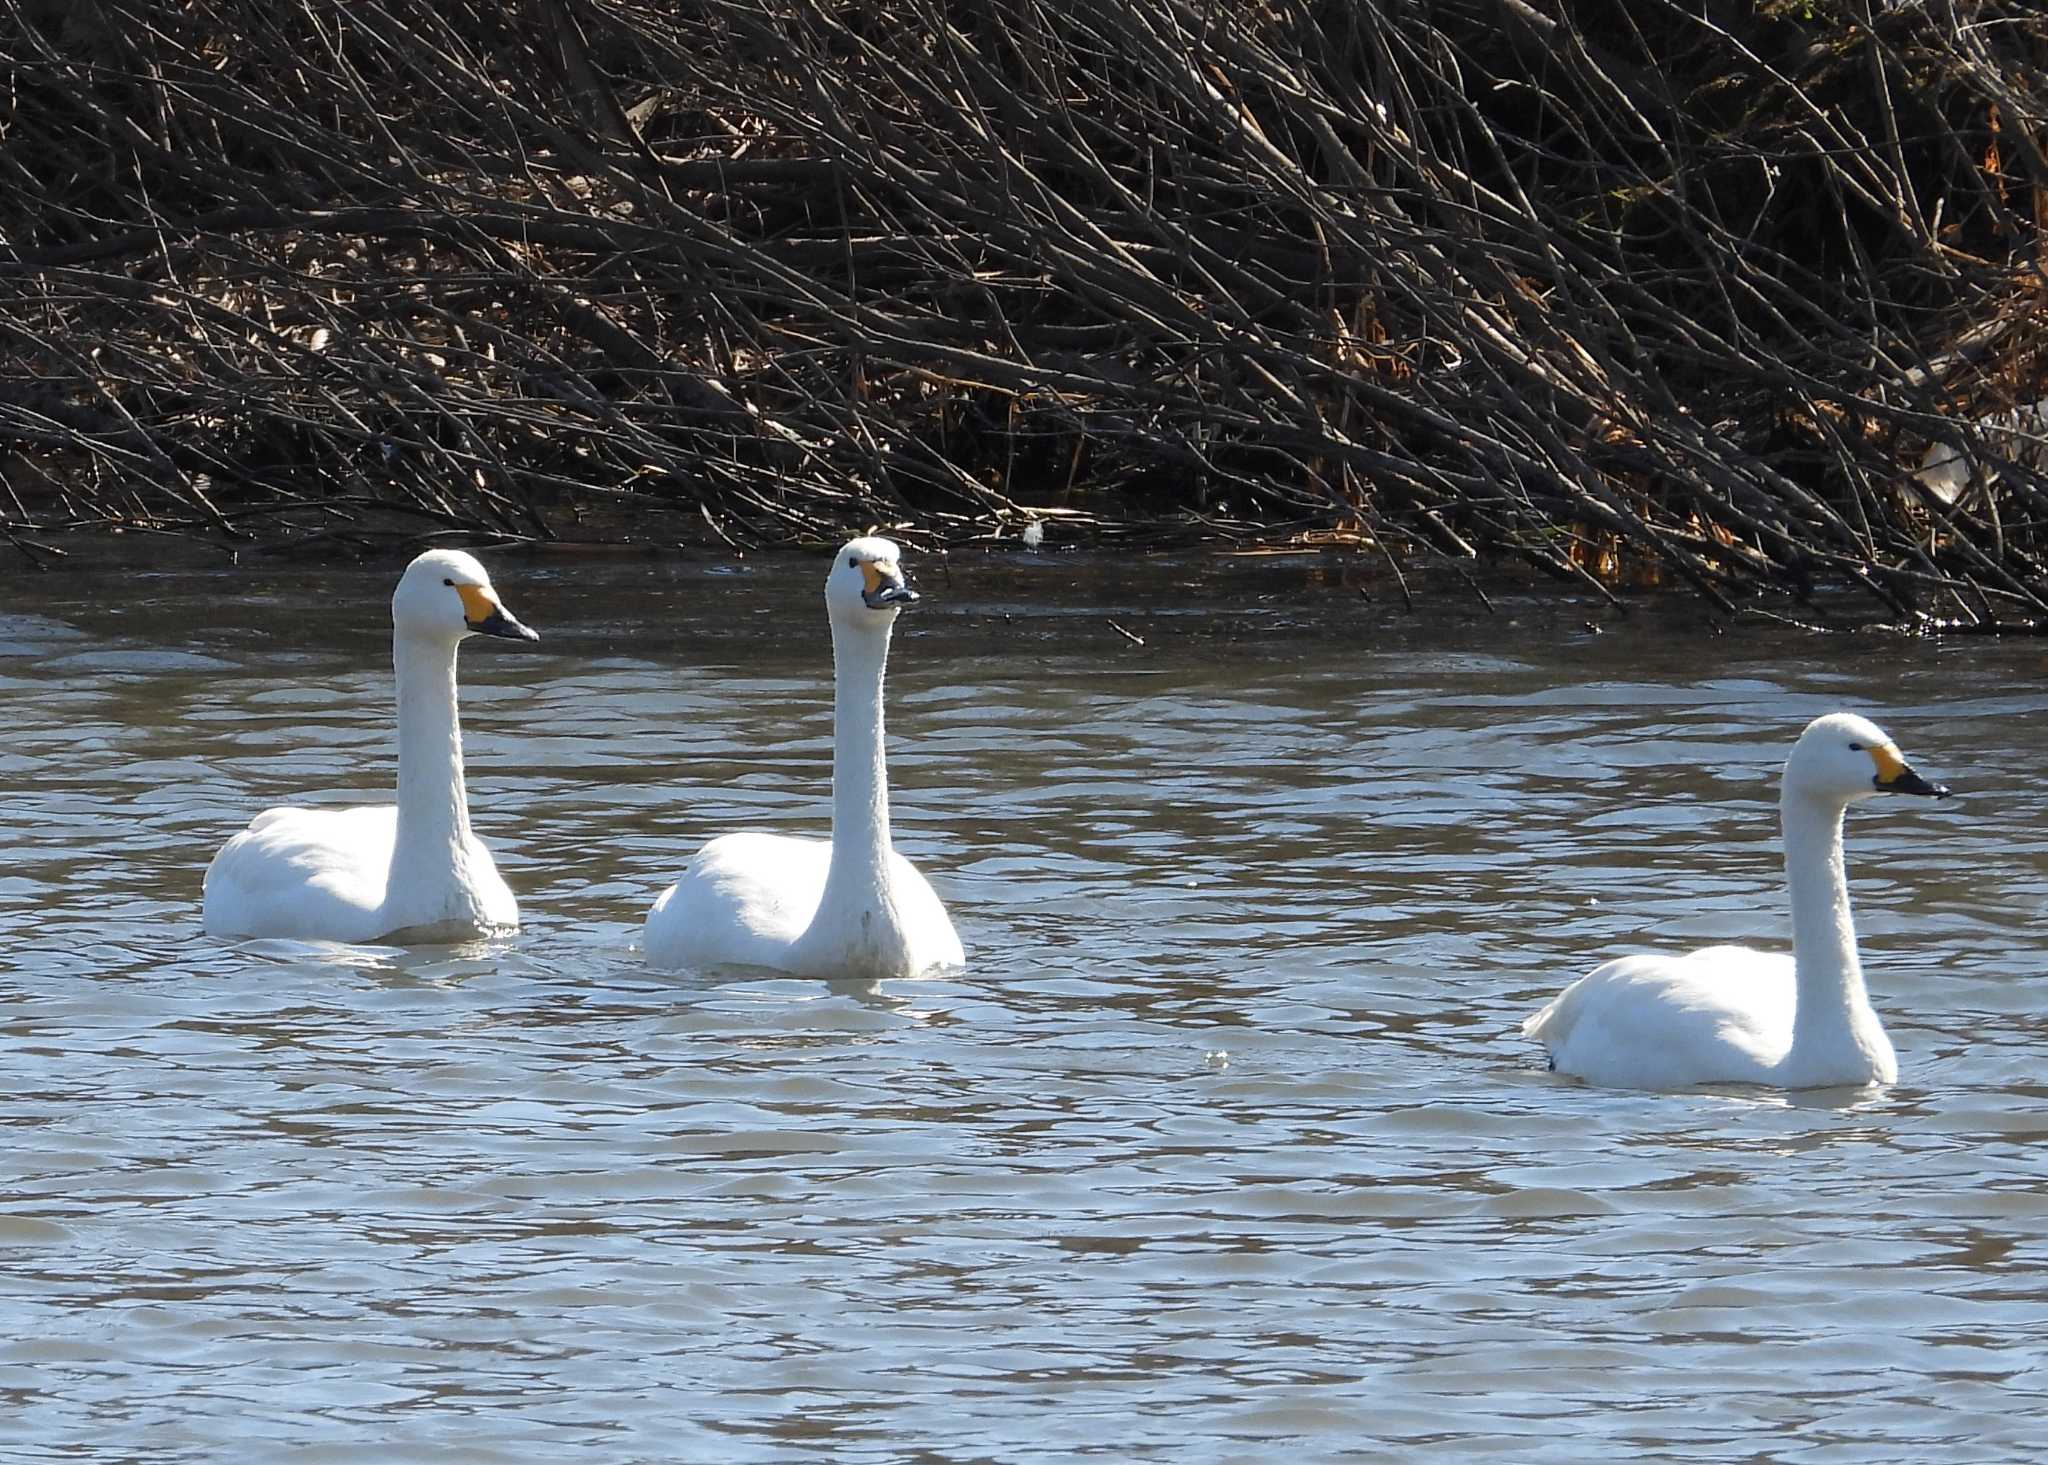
[(1223, 1146)]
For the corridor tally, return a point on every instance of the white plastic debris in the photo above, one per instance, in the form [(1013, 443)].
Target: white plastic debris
[(2015, 437)]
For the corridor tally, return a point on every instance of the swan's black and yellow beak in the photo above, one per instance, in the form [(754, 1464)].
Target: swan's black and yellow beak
[(885, 585), (1896, 776), (482, 614)]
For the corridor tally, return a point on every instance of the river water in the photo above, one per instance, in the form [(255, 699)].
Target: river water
[(1223, 1145)]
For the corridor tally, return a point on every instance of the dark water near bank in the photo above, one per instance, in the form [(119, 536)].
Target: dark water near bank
[(1222, 1147)]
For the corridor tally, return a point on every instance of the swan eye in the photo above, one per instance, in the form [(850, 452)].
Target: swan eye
[(852, 562), (448, 582), (1857, 748)]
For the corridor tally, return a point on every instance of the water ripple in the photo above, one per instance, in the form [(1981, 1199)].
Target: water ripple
[(1225, 1141)]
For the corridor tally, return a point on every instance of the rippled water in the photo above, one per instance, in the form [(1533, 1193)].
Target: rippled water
[(1222, 1146)]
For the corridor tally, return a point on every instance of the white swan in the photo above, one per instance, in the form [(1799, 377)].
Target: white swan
[(358, 874), (1728, 1014), (848, 907)]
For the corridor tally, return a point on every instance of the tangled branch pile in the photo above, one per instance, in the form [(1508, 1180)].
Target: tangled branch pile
[(1628, 288)]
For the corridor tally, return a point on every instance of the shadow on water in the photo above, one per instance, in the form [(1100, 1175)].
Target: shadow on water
[(1223, 1141)]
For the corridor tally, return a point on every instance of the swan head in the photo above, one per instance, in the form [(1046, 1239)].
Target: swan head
[(1843, 758), (445, 595), (866, 588)]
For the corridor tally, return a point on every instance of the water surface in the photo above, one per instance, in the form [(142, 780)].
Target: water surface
[(1223, 1144)]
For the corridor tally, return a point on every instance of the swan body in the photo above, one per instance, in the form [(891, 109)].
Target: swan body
[(847, 907), (1728, 1014), (752, 899), (365, 873)]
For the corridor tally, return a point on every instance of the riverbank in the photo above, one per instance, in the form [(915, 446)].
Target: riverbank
[(1473, 286)]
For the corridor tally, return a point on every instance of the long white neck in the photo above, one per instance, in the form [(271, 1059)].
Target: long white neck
[(858, 926), (1833, 1006), (430, 854), (860, 772)]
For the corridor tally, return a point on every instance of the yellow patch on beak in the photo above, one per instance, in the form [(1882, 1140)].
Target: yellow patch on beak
[(1889, 764), (478, 604), (871, 577)]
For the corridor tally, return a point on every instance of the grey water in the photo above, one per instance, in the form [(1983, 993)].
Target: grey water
[(1223, 1144)]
